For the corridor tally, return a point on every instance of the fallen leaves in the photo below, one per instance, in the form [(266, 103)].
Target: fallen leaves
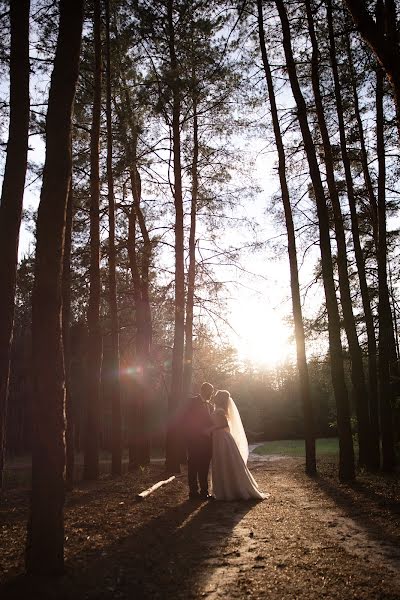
[(167, 547)]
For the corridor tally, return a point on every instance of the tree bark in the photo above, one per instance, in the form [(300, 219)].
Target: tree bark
[(173, 444), (140, 444), (91, 457), (45, 540), (12, 196), (136, 400), (66, 320), (143, 310), (346, 451), (302, 366), (384, 313), (114, 375), (139, 440), (188, 356)]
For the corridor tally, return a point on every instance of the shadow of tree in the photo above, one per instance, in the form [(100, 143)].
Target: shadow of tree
[(376, 512), (168, 557), (14, 505)]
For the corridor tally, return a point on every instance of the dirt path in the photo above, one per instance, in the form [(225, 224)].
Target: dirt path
[(311, 539)]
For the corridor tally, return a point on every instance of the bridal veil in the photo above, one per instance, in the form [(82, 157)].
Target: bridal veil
[(237, 429)]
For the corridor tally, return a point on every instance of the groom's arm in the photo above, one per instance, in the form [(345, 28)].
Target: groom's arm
[(186, 420)]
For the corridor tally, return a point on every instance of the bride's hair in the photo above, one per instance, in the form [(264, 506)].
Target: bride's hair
[(221, 399)]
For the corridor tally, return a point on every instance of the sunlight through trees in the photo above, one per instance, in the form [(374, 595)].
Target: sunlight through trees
[(213, 172)]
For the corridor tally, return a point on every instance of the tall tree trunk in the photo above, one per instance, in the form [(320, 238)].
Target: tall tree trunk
[(144, 270), (45, 540), (368, 454), (136, 401), (302, 366), (66, 320), (173, 444), (369, 320), (12, 196), (384, 312), (140, 444), (114, 375), (94, 359), (346, 451), (396, 351), (143, 310), (188, 357)]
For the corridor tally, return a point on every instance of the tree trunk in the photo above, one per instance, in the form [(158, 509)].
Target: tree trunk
[(369, 320), (45, 541), (346, 451), (188, 357), (137, 216), (368, 453), (384, 312), (139, 444), (91, 458), (143, 312), (114, 375), (12, 196), (135, 416), (302, 366), (66, 316), (139, 453), (173, 444)]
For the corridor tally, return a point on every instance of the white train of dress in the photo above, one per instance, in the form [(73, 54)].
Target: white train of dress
[(231, 479)]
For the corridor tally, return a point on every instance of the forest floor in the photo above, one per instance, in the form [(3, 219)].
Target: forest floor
[(312, 538)]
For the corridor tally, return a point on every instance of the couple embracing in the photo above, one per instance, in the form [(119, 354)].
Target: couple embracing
[(214, 433)]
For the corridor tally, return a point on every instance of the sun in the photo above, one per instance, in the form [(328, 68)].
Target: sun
[(263, 339)]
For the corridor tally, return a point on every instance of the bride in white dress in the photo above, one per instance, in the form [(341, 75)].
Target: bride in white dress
[(231, 479)]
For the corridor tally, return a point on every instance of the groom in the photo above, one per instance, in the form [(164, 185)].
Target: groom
[(199, 445)]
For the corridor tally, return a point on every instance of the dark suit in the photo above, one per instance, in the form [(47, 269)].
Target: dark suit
[(199, 446)]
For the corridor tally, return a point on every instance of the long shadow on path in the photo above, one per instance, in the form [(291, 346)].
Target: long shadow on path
[(371, 519), (171, 556)]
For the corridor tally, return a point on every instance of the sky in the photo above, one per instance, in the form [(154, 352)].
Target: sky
[(262, 301), (258, 302), (258, 299)]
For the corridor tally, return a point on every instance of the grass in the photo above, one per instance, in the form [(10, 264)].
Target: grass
[(296, 447)]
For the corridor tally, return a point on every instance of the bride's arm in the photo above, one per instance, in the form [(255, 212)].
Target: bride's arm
[(219, 422)]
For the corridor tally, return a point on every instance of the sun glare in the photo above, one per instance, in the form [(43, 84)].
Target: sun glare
[(263, 338)]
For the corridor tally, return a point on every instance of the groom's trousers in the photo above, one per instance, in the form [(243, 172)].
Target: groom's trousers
[(199, 458)]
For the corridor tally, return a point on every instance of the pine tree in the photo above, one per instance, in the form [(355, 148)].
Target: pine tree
[(95, 344), (45, 537), (12, 196)]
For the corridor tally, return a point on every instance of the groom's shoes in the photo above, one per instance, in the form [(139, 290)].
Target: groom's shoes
[(206, 496), (194, 496)]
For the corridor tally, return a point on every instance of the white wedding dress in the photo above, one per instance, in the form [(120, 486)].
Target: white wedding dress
[(231, 479)]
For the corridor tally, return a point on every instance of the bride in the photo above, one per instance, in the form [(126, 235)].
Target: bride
[(231, 479)]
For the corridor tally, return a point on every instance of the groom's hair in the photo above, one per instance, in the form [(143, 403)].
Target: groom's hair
[(206, 390)]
